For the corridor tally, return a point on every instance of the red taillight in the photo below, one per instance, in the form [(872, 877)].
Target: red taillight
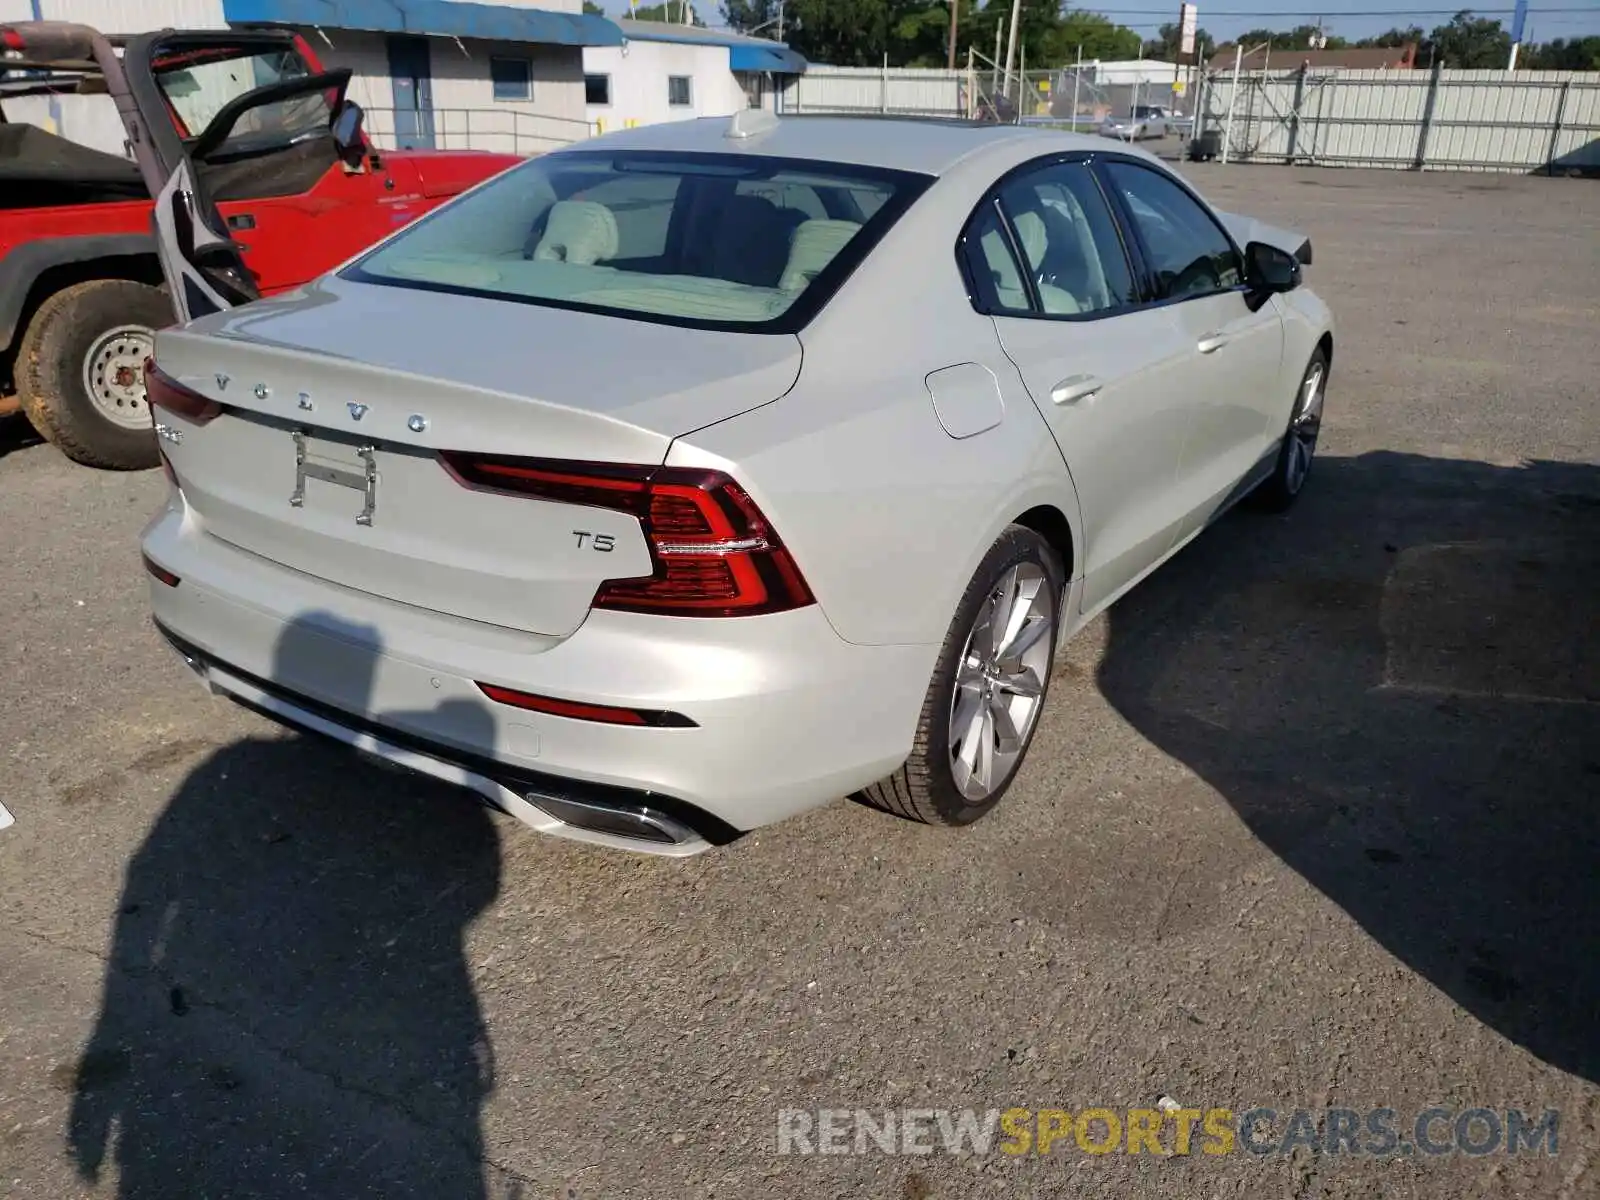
[(13, 40), (715, 553), (578, 711), (160, 572), (163, 391)]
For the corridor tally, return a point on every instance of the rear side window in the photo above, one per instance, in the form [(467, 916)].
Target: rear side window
[(1046, 244), (711, 240), (1065, 229), (1187, 251), (996, 274)]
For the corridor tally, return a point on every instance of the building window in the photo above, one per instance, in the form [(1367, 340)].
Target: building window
[(597, 89), (512, 78), (679, 94)]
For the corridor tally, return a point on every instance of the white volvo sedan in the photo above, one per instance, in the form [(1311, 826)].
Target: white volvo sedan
[(697, 475)]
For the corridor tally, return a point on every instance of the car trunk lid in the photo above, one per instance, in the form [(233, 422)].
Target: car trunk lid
[(326, 460)]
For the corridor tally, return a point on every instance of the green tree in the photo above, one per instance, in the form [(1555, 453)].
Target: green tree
[(669, 11), (1578, 54), (1469, 41), (858, 33), (593, 9), (747, 15), (1100, 37), (1396, 38)]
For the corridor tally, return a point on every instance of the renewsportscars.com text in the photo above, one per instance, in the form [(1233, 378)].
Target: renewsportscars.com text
[(1167, 1131)]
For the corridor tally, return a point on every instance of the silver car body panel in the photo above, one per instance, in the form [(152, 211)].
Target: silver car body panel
[(886, 514)]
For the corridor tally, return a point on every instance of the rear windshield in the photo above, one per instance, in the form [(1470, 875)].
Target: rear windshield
[(708, 240)]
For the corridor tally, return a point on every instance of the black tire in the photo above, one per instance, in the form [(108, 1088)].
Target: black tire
[(50, 370), (924, 788), (1283, 487)]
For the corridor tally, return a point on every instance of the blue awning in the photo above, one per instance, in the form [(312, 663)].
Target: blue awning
[(778, 59), (744, 53), (443, 18)]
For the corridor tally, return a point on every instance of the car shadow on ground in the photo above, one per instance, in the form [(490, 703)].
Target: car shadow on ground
[(1397, 688), (287, 1007), (15, 432)]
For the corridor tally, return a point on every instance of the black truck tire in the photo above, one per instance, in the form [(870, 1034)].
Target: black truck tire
[(112, 322)]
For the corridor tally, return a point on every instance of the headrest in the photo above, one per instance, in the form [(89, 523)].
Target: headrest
[(578, 231), (815, 244), (1035, 240)]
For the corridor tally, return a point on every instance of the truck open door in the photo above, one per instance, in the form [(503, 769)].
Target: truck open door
[(261, 179), (166, 74)]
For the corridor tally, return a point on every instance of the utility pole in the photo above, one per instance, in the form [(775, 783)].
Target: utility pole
[(999, 32), (780, 20), (955, 8), (1011, 42), (1077, 74)]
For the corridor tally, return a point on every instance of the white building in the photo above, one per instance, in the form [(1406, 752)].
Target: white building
[(506, 75), (1142, 71), (665, 72)]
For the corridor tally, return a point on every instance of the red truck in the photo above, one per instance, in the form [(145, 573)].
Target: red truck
[(265, 149)]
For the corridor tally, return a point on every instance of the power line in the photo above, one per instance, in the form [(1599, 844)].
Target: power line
[(1395, 13)]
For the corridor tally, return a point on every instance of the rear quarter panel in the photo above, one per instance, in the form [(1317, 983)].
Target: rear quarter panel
[(887, 515)]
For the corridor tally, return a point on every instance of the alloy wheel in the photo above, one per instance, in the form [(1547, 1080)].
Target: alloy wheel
[(1305, 428), (1000, 679)]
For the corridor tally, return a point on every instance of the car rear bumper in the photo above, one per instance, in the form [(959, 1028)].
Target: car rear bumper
[(785, 714)]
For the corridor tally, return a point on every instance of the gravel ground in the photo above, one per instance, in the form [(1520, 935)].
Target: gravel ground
[(1310, 822)]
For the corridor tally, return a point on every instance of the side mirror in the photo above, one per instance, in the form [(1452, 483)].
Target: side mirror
[(1271, 270), (347, 126)]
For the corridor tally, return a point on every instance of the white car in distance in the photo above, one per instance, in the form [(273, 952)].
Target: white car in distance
[(1145, 121), (674, 483)]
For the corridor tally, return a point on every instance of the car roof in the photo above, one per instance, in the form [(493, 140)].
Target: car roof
[(926, 146)]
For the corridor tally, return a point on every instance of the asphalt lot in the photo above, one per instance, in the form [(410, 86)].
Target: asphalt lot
[(1311, 821)]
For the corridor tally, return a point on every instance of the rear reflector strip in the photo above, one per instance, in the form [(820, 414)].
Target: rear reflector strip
[(160, 572), (577, 711)]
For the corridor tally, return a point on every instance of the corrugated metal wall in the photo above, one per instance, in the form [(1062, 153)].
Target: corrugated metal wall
[(864, 90), (1510, 121)]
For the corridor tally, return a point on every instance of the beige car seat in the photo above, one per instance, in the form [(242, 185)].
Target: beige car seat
[(578, 231), (816, 243), (1035, 238)]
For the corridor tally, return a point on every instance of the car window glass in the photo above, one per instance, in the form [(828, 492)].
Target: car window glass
[(198, 83), (641, 204), (1188, 254), (1069, 239), (798, 198), (996, 275), (723, 240)]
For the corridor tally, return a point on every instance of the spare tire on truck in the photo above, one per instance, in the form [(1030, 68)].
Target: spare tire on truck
[(80, 371)]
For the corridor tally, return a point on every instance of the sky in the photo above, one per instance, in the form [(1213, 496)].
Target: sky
[(1223, 19)]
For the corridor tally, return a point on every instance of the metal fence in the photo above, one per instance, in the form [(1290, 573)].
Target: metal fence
[(507, 131), (1504, 121), (894, 91), (1066, 97)]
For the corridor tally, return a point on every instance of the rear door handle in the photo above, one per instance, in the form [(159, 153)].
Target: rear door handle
[(1212, 342), (1074, 388)]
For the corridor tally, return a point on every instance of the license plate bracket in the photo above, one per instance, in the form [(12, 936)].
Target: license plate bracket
[(362, 478)]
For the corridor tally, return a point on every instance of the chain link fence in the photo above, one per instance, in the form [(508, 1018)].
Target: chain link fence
[(1065, 97)]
